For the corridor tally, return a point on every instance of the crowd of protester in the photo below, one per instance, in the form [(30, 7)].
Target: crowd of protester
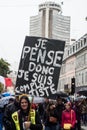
[(58, 114)]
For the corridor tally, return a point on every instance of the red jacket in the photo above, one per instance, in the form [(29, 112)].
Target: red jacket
[(69, 117)]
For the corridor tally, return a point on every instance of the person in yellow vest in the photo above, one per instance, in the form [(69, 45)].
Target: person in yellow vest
[(26, 118)]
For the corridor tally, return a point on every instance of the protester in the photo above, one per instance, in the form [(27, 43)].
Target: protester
[(50, 117), (84, 111), (77, 109), (40, 110), (11, 100), (68, 117), (44, 105), (9, 109), (60, 107), (26, 118), (1, 117), (46, 102)]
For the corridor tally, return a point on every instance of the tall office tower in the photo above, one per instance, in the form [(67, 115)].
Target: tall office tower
[(50, 23)]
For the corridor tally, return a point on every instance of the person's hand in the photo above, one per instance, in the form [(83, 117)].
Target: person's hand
[(27, 124), (53, 119)]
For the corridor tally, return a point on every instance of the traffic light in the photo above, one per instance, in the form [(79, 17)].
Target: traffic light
[(72, 86)]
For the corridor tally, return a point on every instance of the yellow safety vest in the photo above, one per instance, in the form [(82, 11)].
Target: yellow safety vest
[(16, 120)]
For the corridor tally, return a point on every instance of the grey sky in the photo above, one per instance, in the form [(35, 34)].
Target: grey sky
[(15, 17)]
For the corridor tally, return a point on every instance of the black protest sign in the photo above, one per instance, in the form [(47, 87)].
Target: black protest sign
[(39, 66)]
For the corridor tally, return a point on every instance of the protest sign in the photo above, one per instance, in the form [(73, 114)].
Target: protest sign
[(39, 66)]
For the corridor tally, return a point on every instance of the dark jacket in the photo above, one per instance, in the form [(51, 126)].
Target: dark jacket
[(47, 115), (10, 108), (60, 108)]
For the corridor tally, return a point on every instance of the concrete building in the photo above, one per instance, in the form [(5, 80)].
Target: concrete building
[(50, 23), (74, 65)]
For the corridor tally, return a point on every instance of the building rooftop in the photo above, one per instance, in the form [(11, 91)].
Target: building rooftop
[(51, 5)]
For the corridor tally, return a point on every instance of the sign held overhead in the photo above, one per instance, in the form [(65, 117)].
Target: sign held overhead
[(39, 67)]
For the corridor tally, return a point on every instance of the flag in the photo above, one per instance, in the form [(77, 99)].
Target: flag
[(8, 82)]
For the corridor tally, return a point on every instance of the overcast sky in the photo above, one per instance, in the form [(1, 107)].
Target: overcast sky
[(15, 18)]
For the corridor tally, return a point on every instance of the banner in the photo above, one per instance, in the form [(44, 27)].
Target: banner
[(39, 66)]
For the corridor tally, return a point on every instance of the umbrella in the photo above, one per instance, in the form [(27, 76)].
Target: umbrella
[(5, 100), (36, 99), (5, 94), (59, 94), (83, 91), (80, 98)]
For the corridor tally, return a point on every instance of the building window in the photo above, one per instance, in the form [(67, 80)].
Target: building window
[(73, 48), (79, 79), (68, 52), (81, 43), (84, 41), (86, 58), (82, 78), (76, 47), (86, 77)]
